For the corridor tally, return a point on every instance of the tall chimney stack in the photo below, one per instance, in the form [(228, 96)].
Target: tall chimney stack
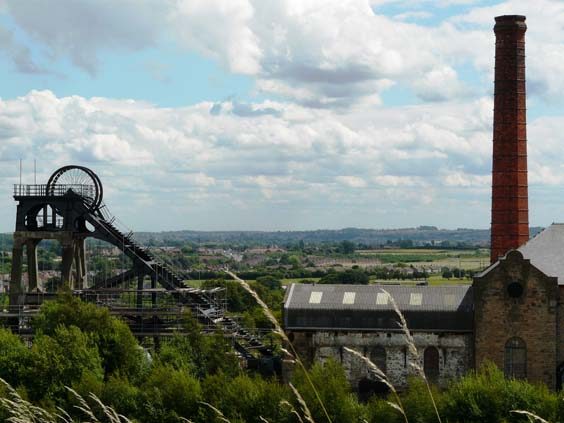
[(510, 209)]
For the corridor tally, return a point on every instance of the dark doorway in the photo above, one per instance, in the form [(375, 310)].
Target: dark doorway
[(431, 364), (368, 388), (560, 377)]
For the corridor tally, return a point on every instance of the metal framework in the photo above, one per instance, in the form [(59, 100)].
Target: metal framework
[(150, 295)]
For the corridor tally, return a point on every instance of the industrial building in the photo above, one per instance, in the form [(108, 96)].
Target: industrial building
[(512, 313)]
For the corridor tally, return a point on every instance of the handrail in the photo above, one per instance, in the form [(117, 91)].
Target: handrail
[(43, 190)]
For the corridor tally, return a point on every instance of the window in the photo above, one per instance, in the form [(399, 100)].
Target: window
[(315, 297), (515, 364), (348, 297), (431, 364), (450, 300), (415, 299), (382, 298), (378, 357)]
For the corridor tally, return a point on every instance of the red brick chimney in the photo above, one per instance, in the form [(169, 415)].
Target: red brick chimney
[(510, 209)]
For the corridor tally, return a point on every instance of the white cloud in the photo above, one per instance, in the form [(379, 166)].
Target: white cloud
[(292, 158), (19, 54), (81, 29), (351, 181), (326, 54)]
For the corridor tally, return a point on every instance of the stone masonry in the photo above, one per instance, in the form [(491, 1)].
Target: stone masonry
[(455, 353), (531, 316)]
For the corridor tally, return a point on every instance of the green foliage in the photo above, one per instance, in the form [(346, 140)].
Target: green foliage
[(246, 398), (238, 300), (417, 402), (334, 390), (168, 393), (118, 348), (346, 247), (15, 358), (488, 396), (198, 353), (60, 360), (269, 282), (119, 393), (349, 276), (178, 353)]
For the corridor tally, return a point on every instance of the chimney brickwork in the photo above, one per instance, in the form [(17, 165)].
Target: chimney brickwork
[(510, 210)]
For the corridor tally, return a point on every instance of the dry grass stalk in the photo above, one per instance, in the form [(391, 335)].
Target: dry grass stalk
[(218, 412), (382, 378), (262, 419), (278, 329), (22, 411), (301, 401), (109, 413), (531, 416), (64, 416), (413, 350), (292, 410)]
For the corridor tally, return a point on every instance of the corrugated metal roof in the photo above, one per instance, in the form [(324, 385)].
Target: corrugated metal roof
[(546, 251), (366, 307), (439, 298)]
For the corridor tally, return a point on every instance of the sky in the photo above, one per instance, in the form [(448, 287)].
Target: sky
[(275, 114)]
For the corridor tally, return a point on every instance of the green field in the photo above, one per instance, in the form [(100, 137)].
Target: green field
[(435, 258)]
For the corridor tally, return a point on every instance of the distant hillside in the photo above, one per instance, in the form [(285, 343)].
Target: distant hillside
[(420, 235)]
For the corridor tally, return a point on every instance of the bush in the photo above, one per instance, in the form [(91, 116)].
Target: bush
[(349, 276), (169, 393), (488, 396), (15, 358), (334, 390), (121, 395), (246, 398), (62, 360), (116, 345)]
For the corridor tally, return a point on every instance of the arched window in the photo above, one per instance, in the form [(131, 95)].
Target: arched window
[(515, 364), (431, 364), (378, 357)]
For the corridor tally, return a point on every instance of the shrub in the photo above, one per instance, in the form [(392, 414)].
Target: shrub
[(334, 390), (487, 396)]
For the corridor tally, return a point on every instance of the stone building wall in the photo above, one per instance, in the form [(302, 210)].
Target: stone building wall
[(531, 316), (454, 350)]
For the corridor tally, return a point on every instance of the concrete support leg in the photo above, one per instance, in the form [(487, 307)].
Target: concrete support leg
[(79, 263), (82, 260), (77, 266), (66, 266), (32, 269), (16, 286)]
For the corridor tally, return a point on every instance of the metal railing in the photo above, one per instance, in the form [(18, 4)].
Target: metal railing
[(40, 190)]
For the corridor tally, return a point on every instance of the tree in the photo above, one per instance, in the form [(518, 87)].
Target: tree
[(15, 358), (247, 399), (116, 345), (349, 276), (60, 360), (334, 390), (169, 393), (347, 247), (269, 282)]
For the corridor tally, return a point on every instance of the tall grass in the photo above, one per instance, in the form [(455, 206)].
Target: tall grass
[(413, 351), (22, 411), (278, 330)]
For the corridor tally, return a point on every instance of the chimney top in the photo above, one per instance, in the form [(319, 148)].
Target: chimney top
[(510, 22)]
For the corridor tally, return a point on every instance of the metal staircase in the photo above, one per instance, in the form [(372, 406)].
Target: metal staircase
[(205, 309), (70, 209)]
